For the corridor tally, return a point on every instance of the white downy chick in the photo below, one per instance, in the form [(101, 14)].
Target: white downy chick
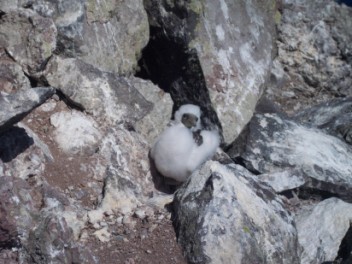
[(176, 152)]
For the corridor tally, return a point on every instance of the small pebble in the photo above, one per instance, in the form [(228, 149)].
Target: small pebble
[(140, 214)]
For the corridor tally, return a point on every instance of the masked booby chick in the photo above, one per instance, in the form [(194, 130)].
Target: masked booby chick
[(182, 147)]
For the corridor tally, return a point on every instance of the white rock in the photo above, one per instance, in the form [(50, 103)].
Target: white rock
[(321, 231), (103, 234), (75, 132)]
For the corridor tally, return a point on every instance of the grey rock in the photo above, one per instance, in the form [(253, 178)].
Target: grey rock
[(17, 105), (321, 230), (37, 141), (20, 156), (275, 144), (225, 52), (151, 125), (314, 50), (52, 242), (109, 96), (334, 117), (224, 215), (12, 77), (287, 179), (30, 39), (128, 180), (6, 6), (16, 209), (109, 35)]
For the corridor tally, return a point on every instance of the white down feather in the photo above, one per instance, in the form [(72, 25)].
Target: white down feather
[(176, 154)]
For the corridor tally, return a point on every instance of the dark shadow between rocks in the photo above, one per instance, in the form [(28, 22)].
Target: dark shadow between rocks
[(169, 63), (344, 256), (13, 142), (346, 2)]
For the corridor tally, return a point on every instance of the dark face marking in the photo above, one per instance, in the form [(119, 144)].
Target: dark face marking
[(189, 120)]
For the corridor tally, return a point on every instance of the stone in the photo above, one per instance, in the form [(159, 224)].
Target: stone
[(333, 117), (21, 156), (275, 144), (16, 212), (152, 124), (313, 49), (128, 181), (287, 179), (52, 242), (322, 229), (109, 35), (30, 39), (6, 6), (224, 215), (76, 133), (12, 78), (17, 105), (220, 55), (103, 94), (37, 142)]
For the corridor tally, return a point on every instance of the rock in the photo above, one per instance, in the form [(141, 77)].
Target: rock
[(224, 215), (212, 55), (6, 6), (128, 181), (275, 144), (333, 117), (321, 231), (52, 242), (152, 124), (15, 106), (37, 142), (76, 133), (12, 77), (16, 212), (20, 155), (103, 94), (109, 35), (30, 39), (102, 234), (313, 41), (287, 179)]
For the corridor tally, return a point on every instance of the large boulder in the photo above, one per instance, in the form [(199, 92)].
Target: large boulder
[(313, 158), (314, 61), (224, 215), (212, 54), (29, 38)]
